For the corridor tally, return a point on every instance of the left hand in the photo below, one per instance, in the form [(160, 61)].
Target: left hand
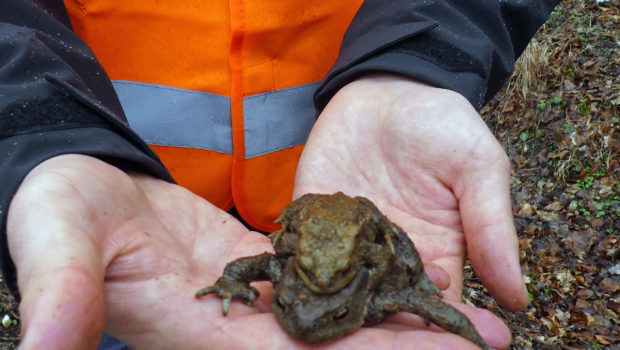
[(427, 160)]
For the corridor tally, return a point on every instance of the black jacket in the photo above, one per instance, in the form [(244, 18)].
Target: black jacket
[(56, 99)]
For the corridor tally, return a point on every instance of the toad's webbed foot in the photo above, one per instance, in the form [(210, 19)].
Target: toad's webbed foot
[(228, 289), (446, 317), (235, 282)]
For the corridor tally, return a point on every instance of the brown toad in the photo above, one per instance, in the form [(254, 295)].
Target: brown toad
[(339, 264)]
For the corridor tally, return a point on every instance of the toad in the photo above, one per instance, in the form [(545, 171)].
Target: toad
[(339, 264)]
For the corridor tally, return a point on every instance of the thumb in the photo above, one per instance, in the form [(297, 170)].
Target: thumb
[(492, 245), (62, 308)]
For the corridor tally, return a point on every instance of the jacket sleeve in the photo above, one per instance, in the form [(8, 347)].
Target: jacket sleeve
[(55, 99), (468, 46)]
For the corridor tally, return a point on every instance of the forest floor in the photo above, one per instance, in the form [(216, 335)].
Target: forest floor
[(559, 120)]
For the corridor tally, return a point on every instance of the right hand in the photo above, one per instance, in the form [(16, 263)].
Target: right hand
[(96, 248), (94, 245)]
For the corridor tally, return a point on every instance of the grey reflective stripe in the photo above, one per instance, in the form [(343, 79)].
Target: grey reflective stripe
[(168, 116), (278, 119)]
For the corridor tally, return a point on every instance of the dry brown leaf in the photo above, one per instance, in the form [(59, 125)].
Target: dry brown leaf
[(555, 206), (584, 294), (582, 304), (610, 285)]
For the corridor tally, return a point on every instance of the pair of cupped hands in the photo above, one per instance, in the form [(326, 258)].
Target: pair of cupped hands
[(99, 249)]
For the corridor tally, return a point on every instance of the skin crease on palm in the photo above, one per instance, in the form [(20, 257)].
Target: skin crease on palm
[(96, 248)]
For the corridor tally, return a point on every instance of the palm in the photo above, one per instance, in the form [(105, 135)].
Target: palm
[(132, 251), (180, 247), (427, 160), (188, 246), (403, 155)]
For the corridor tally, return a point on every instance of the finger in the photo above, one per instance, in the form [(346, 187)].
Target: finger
[(492, 329), (62, 311), (60, 278), (492, 243), (376, 338), (55, 230), (437, 275)]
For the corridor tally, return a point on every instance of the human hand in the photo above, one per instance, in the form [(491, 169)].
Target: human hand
[(93, 245), (427, 160), (98, 249)]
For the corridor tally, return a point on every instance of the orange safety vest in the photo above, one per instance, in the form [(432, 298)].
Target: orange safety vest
[(221, 90)]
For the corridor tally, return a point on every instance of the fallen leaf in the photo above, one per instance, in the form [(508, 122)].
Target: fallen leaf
[(596, 223), (547, 215), (601, 340), (555, 206), (610, 285), (582, 304), (526, 208), (558, 155), (584, 294)]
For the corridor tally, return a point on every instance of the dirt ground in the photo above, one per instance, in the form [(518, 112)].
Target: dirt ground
[(558, 119)]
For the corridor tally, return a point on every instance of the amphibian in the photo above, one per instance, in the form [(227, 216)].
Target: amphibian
[(339, 264)]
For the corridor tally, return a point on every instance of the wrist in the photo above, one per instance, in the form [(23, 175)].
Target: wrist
[(391, 88)]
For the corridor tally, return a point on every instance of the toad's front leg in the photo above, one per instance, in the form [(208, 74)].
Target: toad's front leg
[(235, 281)]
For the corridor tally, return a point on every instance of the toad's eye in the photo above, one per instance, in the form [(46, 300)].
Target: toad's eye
[(280, 302), (341, 313)]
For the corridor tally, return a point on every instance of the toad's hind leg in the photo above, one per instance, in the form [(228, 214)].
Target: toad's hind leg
[(446, 317)]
